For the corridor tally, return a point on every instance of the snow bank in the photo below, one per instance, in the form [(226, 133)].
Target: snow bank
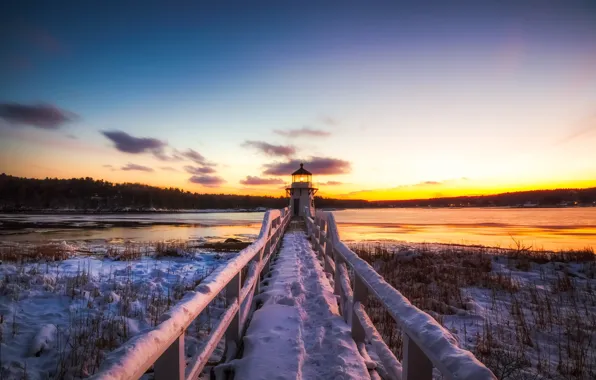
[(43, 340)]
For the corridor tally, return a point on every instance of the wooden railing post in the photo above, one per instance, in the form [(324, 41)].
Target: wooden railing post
[(233, 331), (314, 232), (258, 261), (360, 294), (336, 280), (416, 365), (268, 257), (321, 240), (171, 364), (328, 249)]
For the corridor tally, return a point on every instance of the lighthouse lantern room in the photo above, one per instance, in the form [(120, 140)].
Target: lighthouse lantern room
[(301, 192)]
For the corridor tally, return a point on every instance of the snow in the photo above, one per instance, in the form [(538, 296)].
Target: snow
[(298, 332), (43, 340), (484, 317), (437, 343), (133, 358), (42, 305)]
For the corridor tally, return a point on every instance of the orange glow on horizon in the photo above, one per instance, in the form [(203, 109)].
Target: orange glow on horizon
[(457, 189), (406, 192)]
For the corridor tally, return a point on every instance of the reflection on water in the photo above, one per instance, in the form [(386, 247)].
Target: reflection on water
[(139, 234), (551, 229), (133, 227), (195, 218)]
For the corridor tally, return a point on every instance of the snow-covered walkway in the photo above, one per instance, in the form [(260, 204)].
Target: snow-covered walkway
[(298, 333)]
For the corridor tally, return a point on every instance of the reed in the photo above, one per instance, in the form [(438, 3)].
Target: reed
[(525, 314)]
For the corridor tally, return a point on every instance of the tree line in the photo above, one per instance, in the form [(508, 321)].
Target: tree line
[(88, 194), (28, 194), (544, 198)]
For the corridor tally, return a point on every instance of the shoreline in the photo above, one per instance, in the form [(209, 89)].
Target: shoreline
[(134, 211)]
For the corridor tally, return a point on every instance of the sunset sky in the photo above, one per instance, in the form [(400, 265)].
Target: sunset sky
[(380, 100)]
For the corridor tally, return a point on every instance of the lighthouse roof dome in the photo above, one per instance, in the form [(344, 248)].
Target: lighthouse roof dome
[(302, 171)]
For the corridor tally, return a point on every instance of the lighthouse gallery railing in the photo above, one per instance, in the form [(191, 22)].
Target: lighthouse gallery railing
[(163, 346)]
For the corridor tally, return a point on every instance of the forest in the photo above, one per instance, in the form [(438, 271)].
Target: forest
[(87, 194), (27, 194)]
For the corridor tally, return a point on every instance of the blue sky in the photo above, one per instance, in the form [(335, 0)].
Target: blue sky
[(406, 94)]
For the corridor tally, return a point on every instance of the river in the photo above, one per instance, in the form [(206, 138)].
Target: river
[(540, 228)]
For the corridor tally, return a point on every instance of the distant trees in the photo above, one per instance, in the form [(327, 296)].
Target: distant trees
[(89, 194), (22, 194), (559, 197)]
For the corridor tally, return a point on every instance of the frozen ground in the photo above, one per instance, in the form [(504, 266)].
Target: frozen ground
[(526, 315), (59, 319), (298, 333)]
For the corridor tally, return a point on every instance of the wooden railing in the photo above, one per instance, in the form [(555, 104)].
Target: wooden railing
[(163, 346), (426, 344)]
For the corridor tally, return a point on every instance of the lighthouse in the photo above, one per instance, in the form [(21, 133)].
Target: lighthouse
[(301, 192)]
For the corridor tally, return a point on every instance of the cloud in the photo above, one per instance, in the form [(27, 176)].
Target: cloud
[(207, 180), (329, 120), (195, 157), (304, 131), (430, 183), (44, 116), (161, 155), (331, 183), (585, 127), (137, 145), (270, 149), (199, 170), (136, 167), (316, 165), (256, 181), (130, 144), (168, 169)]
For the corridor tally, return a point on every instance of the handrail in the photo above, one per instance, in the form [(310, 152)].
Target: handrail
[(426, 344), (163, 345)]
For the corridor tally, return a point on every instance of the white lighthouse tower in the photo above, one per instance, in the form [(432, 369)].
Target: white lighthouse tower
[(301, 192)]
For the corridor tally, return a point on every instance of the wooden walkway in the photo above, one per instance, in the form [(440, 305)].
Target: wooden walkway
[(298, 332)]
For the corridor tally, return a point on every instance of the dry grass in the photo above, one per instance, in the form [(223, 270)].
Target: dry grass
[(102, 323), (226, 247), (41, 253), (32, 254), (172, 248), (537, 325), (127, 253)]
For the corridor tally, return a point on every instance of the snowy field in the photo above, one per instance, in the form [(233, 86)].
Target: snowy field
[(524, 314), (66, 305)]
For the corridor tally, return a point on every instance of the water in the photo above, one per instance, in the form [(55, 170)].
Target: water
[(553, 229), (541, 228), (129, 227)]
